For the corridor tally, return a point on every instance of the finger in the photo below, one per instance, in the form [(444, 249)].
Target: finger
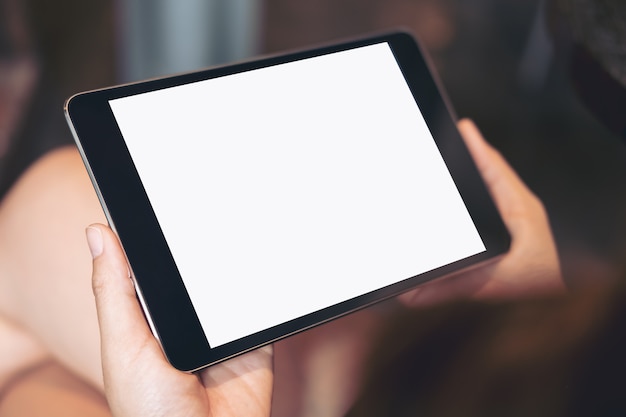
[(246, 367), (512, 197), (456, 286), (132, 359), (123, 329)]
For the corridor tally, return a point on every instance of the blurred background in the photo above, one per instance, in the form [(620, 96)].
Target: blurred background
[(504, 63)]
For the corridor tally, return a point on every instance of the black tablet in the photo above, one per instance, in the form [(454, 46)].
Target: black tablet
[(257, 200)]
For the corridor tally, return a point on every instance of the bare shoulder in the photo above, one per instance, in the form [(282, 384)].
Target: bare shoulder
[(59, 175)]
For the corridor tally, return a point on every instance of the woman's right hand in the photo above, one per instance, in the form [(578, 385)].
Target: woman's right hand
[(138, 379)]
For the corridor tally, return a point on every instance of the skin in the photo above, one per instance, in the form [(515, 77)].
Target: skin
[(44, 284), (55, 391), (45, 290), (138, 380), (531, 266)]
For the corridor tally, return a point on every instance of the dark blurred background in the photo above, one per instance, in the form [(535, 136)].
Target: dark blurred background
[(504, 63)]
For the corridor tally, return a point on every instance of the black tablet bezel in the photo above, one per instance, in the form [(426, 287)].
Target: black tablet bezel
[(164, 297)]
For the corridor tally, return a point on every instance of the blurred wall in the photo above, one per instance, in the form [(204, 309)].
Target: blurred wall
[(158, 37)]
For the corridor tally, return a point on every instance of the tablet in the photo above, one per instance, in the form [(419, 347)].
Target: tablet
[(259, 199)]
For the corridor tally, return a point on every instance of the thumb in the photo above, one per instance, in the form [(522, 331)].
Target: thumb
[(123, 329), (516, 203), (110, 270)]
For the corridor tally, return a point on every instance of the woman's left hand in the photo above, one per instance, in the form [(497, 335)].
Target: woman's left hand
[(531, 266)]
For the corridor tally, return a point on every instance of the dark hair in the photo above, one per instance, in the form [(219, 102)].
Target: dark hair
[(72, 45), (600, 27), (597, 31)]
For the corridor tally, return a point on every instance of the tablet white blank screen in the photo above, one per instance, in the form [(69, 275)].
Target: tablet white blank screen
[(287, 189)]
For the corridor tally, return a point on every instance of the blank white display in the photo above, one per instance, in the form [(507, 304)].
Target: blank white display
[(288, 189)]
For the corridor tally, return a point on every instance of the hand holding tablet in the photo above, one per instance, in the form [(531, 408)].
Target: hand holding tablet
[(530, 268), (138, 379), (245, 382), (257, 200)]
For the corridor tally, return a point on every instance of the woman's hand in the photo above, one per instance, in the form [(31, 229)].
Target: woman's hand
[(531, 267), (138, 379)]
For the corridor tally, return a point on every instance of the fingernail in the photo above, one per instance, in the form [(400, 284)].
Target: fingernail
[(94, 240)]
